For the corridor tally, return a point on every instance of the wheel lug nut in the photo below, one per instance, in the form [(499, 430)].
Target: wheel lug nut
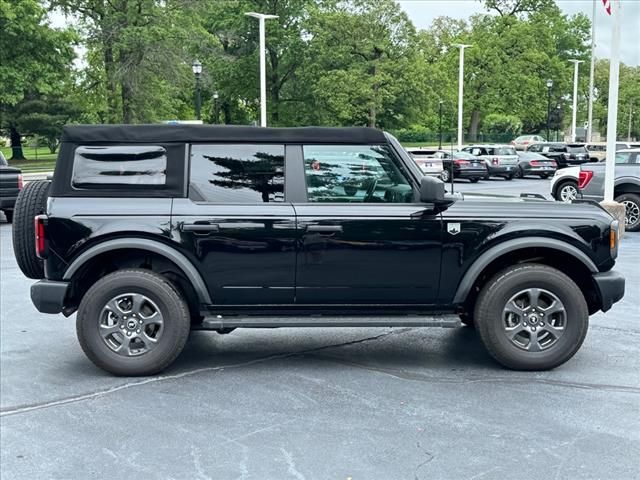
[(140, 321), (525, 324), (128, 334), (533, 329), (122, 326), (138, 331)]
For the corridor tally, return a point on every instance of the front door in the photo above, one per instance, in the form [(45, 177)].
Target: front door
[(362, 239), (236, 224)]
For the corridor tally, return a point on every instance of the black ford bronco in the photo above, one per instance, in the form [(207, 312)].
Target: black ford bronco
[(149, 232)]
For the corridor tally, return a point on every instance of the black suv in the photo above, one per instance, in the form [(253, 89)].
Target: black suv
[(149, 232), (565, 154)]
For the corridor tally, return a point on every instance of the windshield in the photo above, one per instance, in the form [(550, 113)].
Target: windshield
[(504, 151), (464, 156), (577, 149)]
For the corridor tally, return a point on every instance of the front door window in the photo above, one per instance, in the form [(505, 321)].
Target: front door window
[(354, 174)]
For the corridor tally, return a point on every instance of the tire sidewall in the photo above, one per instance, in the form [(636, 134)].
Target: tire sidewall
[(489, 319), (626, 197), (168, 302)]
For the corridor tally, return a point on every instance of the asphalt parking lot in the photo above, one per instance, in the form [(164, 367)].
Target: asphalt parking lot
[(335, 403)]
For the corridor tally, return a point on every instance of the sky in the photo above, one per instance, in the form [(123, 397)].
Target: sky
[(422, 13)]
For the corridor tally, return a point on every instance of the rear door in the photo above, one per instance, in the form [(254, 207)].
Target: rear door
[(236, 224), (363, 239)]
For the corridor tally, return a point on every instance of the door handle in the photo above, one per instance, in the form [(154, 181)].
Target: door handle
[(324, 228), (200, 227)]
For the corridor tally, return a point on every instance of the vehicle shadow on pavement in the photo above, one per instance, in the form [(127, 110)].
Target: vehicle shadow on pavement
[(393, 349)]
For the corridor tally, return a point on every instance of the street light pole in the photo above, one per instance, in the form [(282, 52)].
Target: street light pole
[(576, 63), (263, 74), (549, 87), (630, 118), (591, 73), (196, 67), (461, 46), (440, 124), (215, 107)]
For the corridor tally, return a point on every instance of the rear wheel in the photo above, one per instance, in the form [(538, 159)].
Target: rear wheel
[(518, 173), (567, 191), (474, 180), (544, 176), (133, 322), (531, 317), (508, 177), (631, 202), (445, 176), (31, 201)]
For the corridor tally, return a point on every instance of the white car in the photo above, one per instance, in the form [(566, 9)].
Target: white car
[(428, 160), (523, 141), (564, 184)]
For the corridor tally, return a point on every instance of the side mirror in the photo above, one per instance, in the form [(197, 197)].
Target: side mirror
[(431, 190)]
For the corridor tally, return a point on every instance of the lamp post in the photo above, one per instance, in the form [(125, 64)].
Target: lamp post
[(215, 107), (558, 111), (576, 63), (263, 74), (549, 87), (440, 124), (461, 46), (196, 67)]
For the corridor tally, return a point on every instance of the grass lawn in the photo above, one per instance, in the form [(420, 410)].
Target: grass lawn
[(44, 163)]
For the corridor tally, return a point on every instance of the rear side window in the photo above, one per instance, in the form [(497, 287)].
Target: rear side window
[(109, 166), (237, 173), (579, 149)]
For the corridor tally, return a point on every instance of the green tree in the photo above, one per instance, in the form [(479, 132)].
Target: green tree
[(45, 118), (35, 59)]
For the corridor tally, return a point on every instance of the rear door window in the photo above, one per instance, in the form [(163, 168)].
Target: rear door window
[(239, 173), (136, 166)]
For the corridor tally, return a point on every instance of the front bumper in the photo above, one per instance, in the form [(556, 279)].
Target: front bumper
[(48, 296), (610, 287)]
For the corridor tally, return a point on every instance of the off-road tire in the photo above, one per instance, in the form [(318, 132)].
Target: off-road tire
[(31, 201), (172, 305), (632, 203), (488, 316)]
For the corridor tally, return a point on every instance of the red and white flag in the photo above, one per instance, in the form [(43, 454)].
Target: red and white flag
[(607, 6)]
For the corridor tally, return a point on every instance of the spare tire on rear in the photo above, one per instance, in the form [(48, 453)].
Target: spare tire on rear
[(31, 201)]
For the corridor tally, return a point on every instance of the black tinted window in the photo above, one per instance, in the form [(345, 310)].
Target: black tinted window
[(354, 173), (105, 166), (237, 173), (579, 149)]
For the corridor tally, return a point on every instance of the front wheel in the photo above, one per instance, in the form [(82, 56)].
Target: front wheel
[(567, 191), (631, 202), (474, 180), (508, 177), (133, 322), (445, 176), (531, 317), (518, 173)]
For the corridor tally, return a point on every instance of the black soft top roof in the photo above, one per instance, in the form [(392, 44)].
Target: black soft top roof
[(85, 134)]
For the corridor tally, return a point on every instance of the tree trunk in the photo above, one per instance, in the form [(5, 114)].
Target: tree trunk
[(16, 144), (226, 112), (475, 123), (127, 100), (109, 70)]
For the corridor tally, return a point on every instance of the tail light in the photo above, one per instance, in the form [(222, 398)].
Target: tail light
[(495, 161), (461, 162), (584, 177), (41, 239), (553, 163), (534, 163), (20, 182)]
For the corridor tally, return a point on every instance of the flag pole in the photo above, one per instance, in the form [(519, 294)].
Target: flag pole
[(612, 117)]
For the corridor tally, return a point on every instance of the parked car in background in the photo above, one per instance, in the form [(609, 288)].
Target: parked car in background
[(564, 184), (626, 184), (523, 141), (565, 154), (463, 165), (10, 186), (501, 160), (598, 150), (530, 163), (427, 160)]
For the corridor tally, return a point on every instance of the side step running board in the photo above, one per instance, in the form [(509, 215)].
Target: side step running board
[(219, 321)]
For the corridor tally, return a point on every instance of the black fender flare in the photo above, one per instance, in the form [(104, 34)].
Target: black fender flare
[(166, 251), (476, 268)]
